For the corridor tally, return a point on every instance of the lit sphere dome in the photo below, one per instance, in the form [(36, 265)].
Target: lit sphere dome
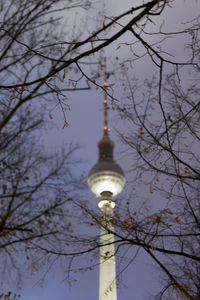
[(106, 175)]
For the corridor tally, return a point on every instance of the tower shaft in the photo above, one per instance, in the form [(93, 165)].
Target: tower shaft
[(107, 272)]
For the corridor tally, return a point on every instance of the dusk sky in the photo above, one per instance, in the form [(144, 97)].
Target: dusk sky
[(138, 279), (85, 118)]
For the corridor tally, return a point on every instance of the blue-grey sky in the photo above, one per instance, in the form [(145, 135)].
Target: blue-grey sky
[(85, 127), (86, 120)]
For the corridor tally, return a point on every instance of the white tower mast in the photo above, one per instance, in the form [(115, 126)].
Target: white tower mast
[(106, 179)]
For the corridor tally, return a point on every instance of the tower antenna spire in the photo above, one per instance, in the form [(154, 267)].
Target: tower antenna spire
[(105, 102)]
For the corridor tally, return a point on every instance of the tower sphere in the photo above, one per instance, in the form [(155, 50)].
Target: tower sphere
[(106, 175)]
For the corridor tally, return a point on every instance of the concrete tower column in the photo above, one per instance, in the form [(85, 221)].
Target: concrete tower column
[(107, 271)]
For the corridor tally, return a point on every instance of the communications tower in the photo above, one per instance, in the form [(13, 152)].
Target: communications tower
[(106, 180)]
